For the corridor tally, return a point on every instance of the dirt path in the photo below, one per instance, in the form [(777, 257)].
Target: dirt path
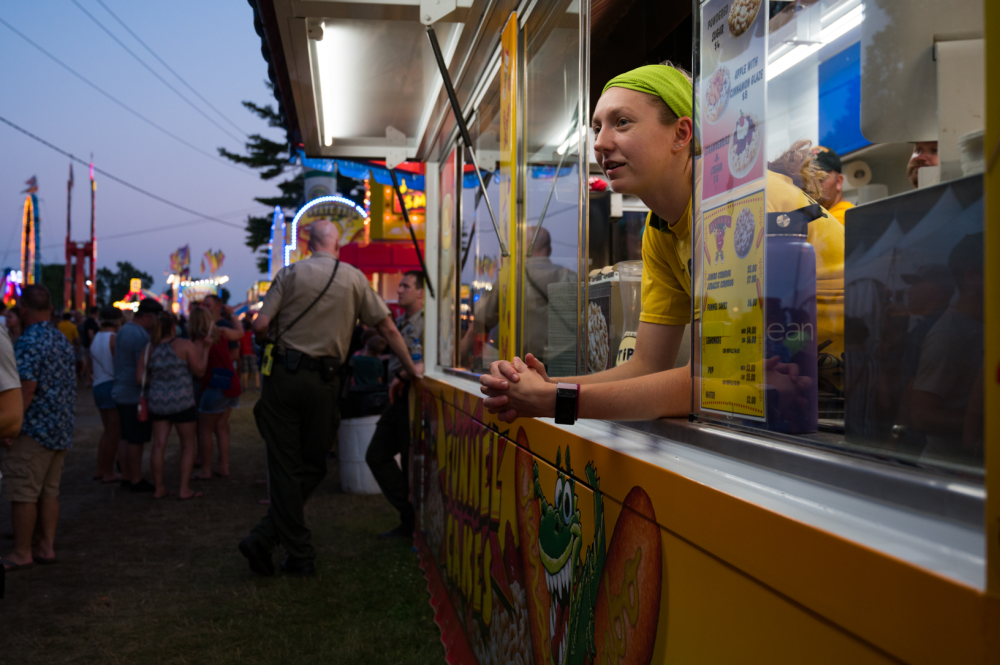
[(141, 580)]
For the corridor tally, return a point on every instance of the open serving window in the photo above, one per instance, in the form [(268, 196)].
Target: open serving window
[(864, 334)]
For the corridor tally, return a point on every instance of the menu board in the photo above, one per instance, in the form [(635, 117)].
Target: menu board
[(732, 339), (732, 97), (508, 186)]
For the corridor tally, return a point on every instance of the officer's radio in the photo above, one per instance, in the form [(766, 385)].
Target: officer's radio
[(268, 360)]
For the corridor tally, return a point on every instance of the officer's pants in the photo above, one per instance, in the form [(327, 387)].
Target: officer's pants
[(392, 436), (298, 415)]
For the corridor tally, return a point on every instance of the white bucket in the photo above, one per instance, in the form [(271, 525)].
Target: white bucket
[(355, 435)]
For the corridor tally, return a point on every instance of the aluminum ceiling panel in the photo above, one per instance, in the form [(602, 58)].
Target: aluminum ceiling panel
[(373, 74)]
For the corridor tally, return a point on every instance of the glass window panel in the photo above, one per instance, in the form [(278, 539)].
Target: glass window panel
[(480, 248), (549, 284), (898, 338), (447, 258)]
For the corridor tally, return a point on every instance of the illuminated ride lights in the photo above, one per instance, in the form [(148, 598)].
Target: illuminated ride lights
[(340, 200)]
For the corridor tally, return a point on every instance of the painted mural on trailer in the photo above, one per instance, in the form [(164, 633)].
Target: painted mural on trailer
[(534, 569)]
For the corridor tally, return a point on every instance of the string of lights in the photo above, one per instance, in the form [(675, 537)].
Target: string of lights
[(119, 102), (152, 71), (169, 68), (119, 180)]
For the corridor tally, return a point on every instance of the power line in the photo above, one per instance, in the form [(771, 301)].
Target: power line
[(168, 67), (119, 180), (152, 71), (115, 100), (116, 236)]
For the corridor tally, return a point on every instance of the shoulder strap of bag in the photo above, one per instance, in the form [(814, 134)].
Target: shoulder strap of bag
[(298, 318)]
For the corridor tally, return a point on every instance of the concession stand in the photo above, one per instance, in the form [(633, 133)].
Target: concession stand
[(834, 493)]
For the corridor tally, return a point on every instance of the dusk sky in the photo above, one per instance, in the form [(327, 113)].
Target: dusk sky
[(214, 47)]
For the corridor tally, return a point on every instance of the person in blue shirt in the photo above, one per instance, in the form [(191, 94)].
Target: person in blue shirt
[(32, 462)]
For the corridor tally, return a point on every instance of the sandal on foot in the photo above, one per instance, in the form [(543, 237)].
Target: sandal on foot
[(10, 566), (196, 495)]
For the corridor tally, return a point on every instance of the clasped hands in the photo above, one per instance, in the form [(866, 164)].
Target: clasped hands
[(518, 389)]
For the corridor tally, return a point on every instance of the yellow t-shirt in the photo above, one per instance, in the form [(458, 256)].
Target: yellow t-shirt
[(666, 265), (69, 329), (838, 209)]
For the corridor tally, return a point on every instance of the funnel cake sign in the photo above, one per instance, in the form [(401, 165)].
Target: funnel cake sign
[(523, 552)]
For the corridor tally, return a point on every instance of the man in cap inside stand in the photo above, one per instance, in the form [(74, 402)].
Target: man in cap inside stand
[(833, 185), (308, 316)]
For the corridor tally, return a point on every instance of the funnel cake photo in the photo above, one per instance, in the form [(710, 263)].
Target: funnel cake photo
[(744, 233), (717, 94), (745, 145), (741, 15)]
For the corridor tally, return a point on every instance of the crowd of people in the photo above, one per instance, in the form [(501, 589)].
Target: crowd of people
[(148, 371)]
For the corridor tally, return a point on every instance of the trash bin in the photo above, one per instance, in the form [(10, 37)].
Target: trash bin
[(355, 435)]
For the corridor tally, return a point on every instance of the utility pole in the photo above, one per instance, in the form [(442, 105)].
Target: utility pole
[(92, 296), (68, 268)]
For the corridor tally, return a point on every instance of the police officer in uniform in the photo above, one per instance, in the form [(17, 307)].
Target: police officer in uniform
[(308, 316)]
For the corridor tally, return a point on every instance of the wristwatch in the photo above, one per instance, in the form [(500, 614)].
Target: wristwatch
[(567, 403)]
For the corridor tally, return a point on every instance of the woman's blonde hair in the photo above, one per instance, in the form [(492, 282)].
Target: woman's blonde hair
[(799, 164), (200, 323)]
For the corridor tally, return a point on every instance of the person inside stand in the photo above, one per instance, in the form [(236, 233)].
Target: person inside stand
[(367, 363), (32, 462), (308, 316), (643, 141), (948, 383), (172, 362), (392, 434), (925, 153), (220, 389), (130, 342), (248, 358), (832, 197), (102, 352)]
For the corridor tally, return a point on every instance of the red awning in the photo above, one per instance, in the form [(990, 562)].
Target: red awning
[(382, 256)]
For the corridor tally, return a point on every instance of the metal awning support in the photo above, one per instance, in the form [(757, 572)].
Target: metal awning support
[(464, 129), (413, 235)]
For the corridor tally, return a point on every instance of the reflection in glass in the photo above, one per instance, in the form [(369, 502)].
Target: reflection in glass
[(914, 327), (549, 281)]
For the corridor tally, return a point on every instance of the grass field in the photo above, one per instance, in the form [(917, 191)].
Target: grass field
[(146, 581)]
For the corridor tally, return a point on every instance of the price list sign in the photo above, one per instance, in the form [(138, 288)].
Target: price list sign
[(731, 94), (732, 339)]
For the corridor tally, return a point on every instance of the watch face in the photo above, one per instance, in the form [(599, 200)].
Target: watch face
[(566, 395)]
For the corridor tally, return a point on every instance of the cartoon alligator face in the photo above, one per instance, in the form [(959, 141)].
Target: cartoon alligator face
[(572, 584)]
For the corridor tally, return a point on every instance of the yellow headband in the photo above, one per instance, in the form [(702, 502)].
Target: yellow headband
[(661, 81)]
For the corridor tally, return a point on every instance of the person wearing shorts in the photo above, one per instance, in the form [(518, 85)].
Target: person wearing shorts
[(220, 388), (171, 363), (130, 343), (32, 462), (248, 359), (102, 351)]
